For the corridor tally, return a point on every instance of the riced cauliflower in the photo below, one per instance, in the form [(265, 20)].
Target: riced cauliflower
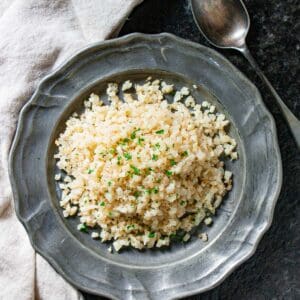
[(141, 169)]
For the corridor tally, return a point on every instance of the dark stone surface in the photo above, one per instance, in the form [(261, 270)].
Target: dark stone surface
[(274, 40)]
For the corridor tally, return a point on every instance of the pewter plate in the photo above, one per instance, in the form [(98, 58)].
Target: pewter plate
[(182, 269)]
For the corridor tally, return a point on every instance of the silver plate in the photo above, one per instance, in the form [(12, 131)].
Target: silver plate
[(182, 269)]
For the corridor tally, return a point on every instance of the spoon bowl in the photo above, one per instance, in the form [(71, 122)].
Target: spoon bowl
[(225, 23)]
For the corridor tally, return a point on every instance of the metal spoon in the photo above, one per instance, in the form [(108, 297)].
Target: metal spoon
[(225, 24)]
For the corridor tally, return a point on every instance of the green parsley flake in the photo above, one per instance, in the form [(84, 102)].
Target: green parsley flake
[(136, 171), (127, 156), (153, 190), (136, 194), (109, 183), (169, 173), (119, 160), (148, 171), (102, 203), (177, 237), (182, 203), (112, 151), (133, 134), (151, 235), (173, 162), (185, 153), (161, 131), (140, 140), (125, 141), (154, 157), (90, 171), (82, 227), (157, 145)]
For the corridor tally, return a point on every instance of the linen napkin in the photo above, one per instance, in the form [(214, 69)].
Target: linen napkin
[(35, 37)]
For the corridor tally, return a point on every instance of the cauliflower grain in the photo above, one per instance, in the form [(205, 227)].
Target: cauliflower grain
[(141, 169)]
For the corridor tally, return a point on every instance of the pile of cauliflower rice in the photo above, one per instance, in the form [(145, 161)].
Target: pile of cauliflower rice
[(141, 169)]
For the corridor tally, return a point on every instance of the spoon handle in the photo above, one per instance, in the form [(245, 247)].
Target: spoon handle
[(290, 118)]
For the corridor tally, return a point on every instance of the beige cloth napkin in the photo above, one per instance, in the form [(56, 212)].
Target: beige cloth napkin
[(35, 37)]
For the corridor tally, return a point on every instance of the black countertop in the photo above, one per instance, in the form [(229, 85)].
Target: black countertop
[(273, 272)]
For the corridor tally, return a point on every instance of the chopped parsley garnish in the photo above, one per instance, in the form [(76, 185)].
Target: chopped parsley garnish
[(173, 162), (154, 157), (168, 173), (161, 131), (177, 237), (130, 226), (157, 145), (129, 173), (136, 171), (127, 156), (153, 190), (112, 151), (151, 235), (185, 153), (82, 227), (140, 140), (158, 180), (90, 171), (148, 171), (136, 194), (102, 203), (109, 183), (182, 203), (133, 134), (110, 214), (119, 160), (124, 141)]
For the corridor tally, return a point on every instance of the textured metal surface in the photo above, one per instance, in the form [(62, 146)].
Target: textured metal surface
[(182, 269)]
